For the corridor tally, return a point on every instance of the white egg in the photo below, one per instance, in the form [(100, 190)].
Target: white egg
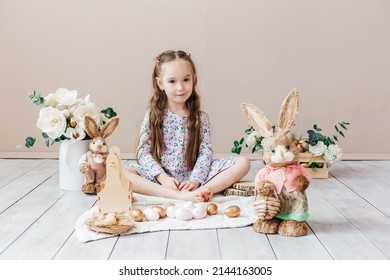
[(170, 211), (110, 219), (183, 214), (199, 212), (151, 215), (189, 205)]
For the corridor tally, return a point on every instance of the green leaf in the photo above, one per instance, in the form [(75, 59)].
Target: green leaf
[(109, 113), (47, 142), (44, 135), (341, 133), (30, 141), (343, 126), (335, 138), (337, 129), (346, 123), (317, 128), (236, 144), (241, 141)]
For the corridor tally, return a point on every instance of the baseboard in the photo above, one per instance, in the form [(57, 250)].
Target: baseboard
[(216, 155)]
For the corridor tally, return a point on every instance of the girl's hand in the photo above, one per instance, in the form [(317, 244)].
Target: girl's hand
[(189, 185), (166, 181)]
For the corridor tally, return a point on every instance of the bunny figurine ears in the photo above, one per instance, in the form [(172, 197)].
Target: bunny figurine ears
[(287, 116), (92, 128)]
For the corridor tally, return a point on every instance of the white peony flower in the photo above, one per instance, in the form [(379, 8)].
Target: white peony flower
[(50, 101), (318, 149), (333, 153), (66, 97), (75, 134), (52, 122), (252, 138), (86, 110)]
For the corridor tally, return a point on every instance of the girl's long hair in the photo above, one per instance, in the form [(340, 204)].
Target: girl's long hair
[(158, 105)]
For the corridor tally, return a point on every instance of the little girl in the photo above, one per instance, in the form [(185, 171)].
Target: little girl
[(175, 156)]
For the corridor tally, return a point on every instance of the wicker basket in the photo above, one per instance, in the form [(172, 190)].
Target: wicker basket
[(124, 223)]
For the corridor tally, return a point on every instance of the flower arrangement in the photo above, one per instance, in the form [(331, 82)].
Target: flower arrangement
[(316, 143), (62, 116)]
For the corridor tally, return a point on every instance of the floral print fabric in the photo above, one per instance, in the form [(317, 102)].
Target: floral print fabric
[(175, 139)]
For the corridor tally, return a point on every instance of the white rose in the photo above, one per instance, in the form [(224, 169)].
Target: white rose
[(75, 134), (50, 101), (66, 97), (86, 110), (333, 153), (52, 122), (252, 138), (318, 149)]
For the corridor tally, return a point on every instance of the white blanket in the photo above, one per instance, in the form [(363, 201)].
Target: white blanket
[(247, 217)]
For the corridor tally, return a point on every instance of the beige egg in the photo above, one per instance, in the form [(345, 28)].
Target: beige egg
[(232, 211), (137, 214), (304, 145), (151, 214), (161, 211), (212, 209)]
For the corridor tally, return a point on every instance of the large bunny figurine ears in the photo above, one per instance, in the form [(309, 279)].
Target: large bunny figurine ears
[(287, 116), (92, 129)]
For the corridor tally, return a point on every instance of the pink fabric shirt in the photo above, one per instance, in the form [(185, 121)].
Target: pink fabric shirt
[(282, 176)]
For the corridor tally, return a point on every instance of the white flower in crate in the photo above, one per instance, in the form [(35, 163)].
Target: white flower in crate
[(333, 153), (252, 139), (50, 101), (52, 122), (318, 149)]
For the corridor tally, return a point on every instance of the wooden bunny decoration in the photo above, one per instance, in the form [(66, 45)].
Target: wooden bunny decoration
[(93, 163), (280, 198)]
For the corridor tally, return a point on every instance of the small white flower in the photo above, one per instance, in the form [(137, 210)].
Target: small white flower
[(75, 134), (252, 139), (66, 97), (86, 110), (52, 122), (50, 101), (318, 149), (333, 153)]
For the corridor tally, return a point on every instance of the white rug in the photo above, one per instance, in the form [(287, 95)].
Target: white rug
[(247, 217)]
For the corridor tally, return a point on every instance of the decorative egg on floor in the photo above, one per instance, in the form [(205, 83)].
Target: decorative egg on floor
[(189, 205), (170, 211), (199, 212), (212, 209), (233, 211), (183, 214), (137, 214), (161, 211), (151, 214)]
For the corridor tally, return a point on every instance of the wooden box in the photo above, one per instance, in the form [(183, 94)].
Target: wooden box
[(317, 173)]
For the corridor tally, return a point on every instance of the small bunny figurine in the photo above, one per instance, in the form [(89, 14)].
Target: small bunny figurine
[(93, 163), (280, 199)]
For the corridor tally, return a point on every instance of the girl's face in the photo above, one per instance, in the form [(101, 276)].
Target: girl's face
[(177, 80)]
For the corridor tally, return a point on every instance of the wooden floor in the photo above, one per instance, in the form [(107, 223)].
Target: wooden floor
[(349, 219)]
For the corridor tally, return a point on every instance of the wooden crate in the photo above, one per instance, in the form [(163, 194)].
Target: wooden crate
[(317, 173)]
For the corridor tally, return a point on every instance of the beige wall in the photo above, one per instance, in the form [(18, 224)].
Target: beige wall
[(336, 52)]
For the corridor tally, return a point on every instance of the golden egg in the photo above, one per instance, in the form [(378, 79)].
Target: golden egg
[(137, 214), (232, 211), (305, 164), (212, 209), (160, 210)]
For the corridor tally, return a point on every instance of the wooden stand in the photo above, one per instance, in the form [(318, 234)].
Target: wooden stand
[(116, 196), (316, 173)]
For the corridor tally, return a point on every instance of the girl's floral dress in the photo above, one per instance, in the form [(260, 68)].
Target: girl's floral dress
[(175, 139)]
